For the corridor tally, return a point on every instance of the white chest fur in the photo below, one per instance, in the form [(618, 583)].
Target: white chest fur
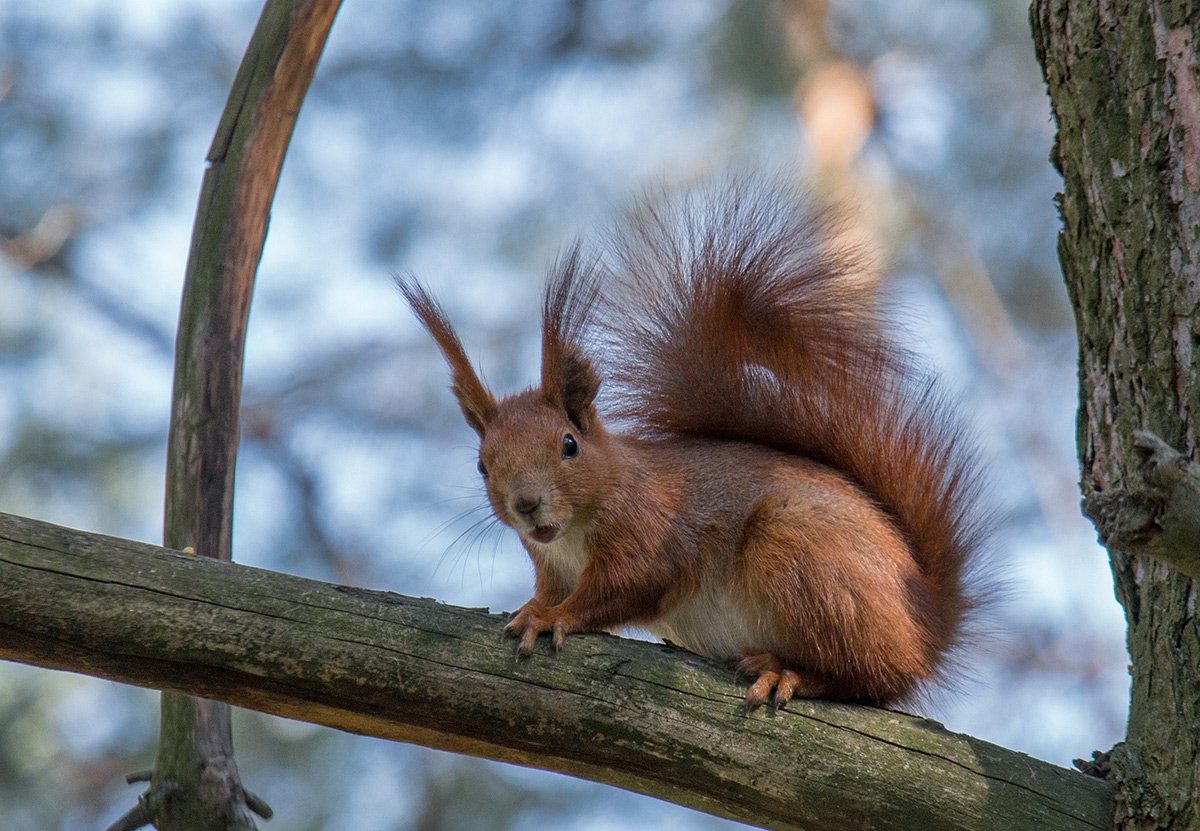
[(566, 556), (710, 623)]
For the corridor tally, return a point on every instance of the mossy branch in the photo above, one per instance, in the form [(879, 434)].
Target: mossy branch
[(641, 716)]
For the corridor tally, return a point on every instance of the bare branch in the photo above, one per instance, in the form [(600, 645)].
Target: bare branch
[(142, 814), (245, 159)]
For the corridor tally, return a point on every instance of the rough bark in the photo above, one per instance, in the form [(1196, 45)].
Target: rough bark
[(195, 779), (637, 715), (1123, 83)]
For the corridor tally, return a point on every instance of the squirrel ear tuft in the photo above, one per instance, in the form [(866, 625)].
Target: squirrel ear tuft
[(573, 389), (569, 379), (477, 403)]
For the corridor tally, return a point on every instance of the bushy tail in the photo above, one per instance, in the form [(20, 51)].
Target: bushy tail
[(733, 321)]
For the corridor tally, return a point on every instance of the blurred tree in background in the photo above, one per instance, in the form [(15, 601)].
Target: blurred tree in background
[(468, 142)]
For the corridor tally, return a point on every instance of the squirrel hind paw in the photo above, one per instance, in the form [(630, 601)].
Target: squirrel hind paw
[(773, 681)]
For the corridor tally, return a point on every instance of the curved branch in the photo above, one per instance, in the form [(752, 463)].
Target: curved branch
[(245, 159), (227, 242), (641, 716)]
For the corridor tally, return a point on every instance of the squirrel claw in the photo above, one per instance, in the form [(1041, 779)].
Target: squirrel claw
[(528, 639), (560, 634), (530, 621), (783, 683), (785, 689), (760, 690), (772, 676)]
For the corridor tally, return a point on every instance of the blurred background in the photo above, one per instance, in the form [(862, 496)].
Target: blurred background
[(469, 142)]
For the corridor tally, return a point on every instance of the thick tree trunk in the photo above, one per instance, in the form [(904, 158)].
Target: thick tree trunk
[(638, 715), (1123, 83)]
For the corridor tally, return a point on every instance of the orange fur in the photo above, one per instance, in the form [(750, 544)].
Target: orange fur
[(787, 491)]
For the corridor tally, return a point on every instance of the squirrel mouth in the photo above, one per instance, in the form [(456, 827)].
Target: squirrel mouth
[(544, 533)]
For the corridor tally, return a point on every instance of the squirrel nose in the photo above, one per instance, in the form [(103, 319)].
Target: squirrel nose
[(526, 504)]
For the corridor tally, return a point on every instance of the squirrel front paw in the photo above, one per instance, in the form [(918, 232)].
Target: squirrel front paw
[(532, 619)]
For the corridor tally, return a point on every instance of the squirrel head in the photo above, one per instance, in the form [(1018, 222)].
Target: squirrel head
[(541, 465), (543, 452)]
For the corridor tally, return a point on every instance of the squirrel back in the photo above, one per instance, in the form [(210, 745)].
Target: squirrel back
[(785, 489)]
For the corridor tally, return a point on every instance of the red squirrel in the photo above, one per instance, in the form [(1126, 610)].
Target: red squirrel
[(786, 492)]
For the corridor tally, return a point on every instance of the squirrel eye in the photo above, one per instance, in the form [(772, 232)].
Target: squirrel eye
[(570, 447), (482, 469)]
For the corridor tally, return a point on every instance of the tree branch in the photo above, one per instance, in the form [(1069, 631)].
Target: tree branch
[(1157, 513), (641, 716), (196, 746), (142, 814)]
